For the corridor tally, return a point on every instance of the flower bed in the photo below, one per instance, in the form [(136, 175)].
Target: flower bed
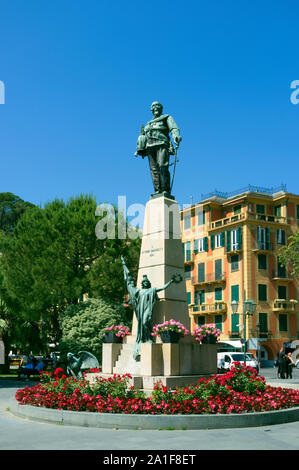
[(238, 391)]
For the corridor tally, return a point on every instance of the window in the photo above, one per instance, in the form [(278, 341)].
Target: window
[(201, 320), (234, 263), (201, 272), (201, 245), (277, 211), (218, 269), (235, 322), (187, 222), (218, 322), (187, 251), (260, 209), (263, 236), (188, 272), (218, 241), (188, 298), (263, 321), (218, 293), (282, 292), (201, 218), (283, 322), (262, 292), (281, 270), (234, 239), (262, 261), (199, 297), (235, 293), (281, 237)]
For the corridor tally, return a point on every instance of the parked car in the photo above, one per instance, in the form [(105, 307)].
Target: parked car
[(225, 360)]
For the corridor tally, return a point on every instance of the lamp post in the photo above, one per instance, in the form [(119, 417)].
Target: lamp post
[(258, 325), (249, 307)]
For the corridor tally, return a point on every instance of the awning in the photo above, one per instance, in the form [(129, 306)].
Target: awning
[(235, 344)]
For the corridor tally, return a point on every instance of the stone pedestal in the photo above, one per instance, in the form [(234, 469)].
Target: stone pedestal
[(161, 256)]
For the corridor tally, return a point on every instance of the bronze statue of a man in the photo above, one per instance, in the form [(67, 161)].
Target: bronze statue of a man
[(154, 142)]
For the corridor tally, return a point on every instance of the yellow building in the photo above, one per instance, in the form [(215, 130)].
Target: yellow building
[(231, 244)]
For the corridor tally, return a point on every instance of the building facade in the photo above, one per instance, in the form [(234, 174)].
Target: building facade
[(231, 251)]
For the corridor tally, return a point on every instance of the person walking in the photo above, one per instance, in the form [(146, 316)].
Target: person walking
[(281, 370), (289, 365)]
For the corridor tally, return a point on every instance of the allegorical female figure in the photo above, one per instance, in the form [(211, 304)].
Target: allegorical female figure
[(143, 301)]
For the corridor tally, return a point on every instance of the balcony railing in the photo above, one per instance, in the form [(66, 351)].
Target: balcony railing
[(214, 308), (263, 246), (210, 278), (226, 221), (281, 305), (261, 334), (267, 218), (282, 275)]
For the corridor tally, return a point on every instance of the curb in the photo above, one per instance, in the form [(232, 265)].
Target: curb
[(171, 422)]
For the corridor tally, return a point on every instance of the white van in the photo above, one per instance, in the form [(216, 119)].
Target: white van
[(226, 359)]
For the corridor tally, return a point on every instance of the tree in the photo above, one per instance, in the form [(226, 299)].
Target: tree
[(11, 208), (83, 325), (290, 254), (52, 259)]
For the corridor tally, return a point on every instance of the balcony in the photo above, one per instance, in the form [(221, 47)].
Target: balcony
[(267, 218), (234, 248), (215, 308), (210, 278), (281, 275), (226, 221), (262, 246), (281, 305), (261, 334)]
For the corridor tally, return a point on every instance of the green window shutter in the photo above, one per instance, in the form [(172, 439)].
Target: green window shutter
[(239, 237), (188, 298), (234, 262), (262, 292), (218, 269), (235, 322), (218, 322), (218, 293), (277, 211), (195, 246), (187, 272), (201, 272), (212, 242), (228, 240), (205, 243), (268, 238), (283, 322), (282, 292), (263, 321), (235, 293), (222, 238), (260, 208), (183, 248), (262, 261)]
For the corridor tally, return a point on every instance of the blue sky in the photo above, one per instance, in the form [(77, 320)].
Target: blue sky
[(80, 77)]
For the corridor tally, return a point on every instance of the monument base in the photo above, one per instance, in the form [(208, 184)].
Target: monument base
[(147, 384), (173, 364)]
